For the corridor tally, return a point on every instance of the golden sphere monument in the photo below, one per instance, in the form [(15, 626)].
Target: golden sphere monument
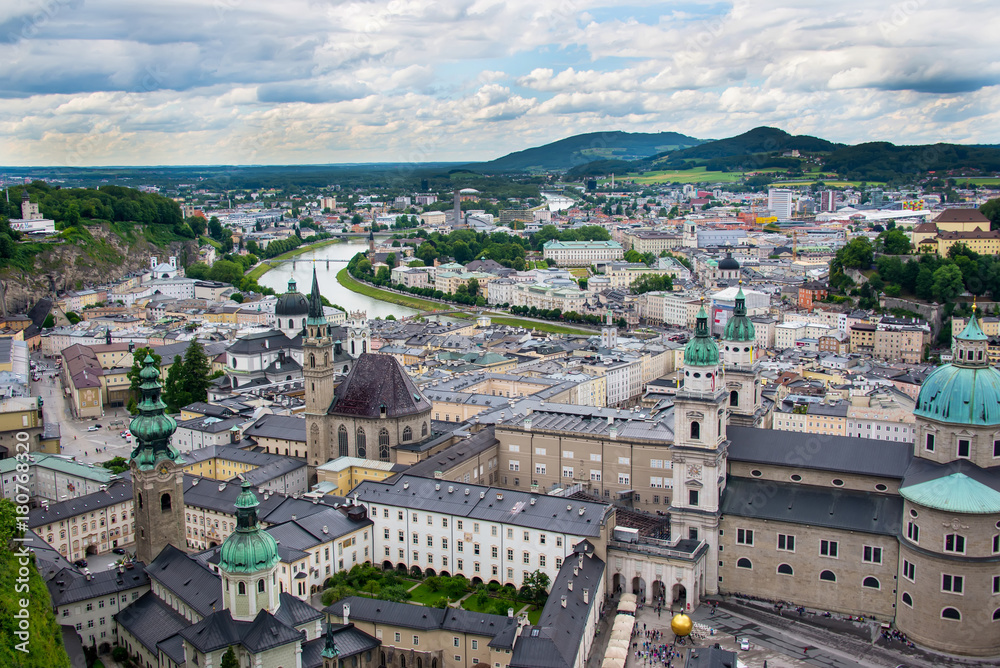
[(681, 625)]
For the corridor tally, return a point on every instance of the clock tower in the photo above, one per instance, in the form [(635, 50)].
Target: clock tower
[(157, 472)]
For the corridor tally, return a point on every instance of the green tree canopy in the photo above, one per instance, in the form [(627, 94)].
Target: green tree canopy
[(947, 283), (857, 254)]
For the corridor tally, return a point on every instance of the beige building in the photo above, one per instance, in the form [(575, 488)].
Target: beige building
[(582, 253)]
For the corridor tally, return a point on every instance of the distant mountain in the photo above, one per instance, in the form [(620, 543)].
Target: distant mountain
[(882, 161), (758, 140), (577, 150)]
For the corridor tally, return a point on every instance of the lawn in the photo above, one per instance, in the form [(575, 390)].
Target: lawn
[(832, 184), (579, 272), (696, 175), (541, 326), (345, 279), (472, 604), (424, 596)]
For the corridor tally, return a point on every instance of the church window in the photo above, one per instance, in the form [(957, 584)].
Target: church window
[(260, 585), (241, 589), (165, 503), (785, 569), (734, 398), (140, 502), (871, 583), (326, 359), (952, 583), (951, 613), (744, 563), (913, 532), (996, 448), (352, 348), (907, 599), (423, 430), (383, 445), (342, 449), (360, 443), (407, 434), (696, 430), (828, 576), (312, 361), (963, 447), (693, 497), (954, 542)]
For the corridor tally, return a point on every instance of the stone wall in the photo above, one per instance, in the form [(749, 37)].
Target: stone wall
[(932, 313)]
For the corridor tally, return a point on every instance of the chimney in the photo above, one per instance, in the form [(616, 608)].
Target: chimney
[(347, 613), (569, 584), (510, 613), (437, 487), (586, 596), (580, 563), (613, 433), (527, 424), (325, 529), (611, 419), (562, 600)]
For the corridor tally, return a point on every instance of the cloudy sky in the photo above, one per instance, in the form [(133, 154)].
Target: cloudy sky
[(119, 82)]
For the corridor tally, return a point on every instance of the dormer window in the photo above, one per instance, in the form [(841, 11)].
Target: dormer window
[(381, 410)]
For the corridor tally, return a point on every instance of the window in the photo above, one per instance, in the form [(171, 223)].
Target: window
[(963, 447), (871, 583), (951, 613), (383, 445), (744, 537), (595, 458), (996, 448), (526, 558), (595, 475), (913, 532), (786, 542), (744, 563), (996, 543), (623, 479), (541, 560), (361, 443), (475, 548), (784, 569), (828, 576), (514, 465), (475, 644), (871, 555), (567, 471), (695, 431), (397, 637), (454, 641), (656, 482), (954, 584), (909, 570), (539, 469), (828, 548), (692, 497), (510, 554), (954, 542), (996, 584)]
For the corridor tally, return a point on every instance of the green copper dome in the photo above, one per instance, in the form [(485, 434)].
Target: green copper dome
[(739, 327), (967, 391), (248, 549), (702, 349), (152, 428)]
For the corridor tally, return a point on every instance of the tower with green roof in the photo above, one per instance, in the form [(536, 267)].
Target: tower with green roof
[(739, 359), (949, 535), (248, 563), (157, 472), (700, 444)]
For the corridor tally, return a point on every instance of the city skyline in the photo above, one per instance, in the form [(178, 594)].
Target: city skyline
[(246, 82)]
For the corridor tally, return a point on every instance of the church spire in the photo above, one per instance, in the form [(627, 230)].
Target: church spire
[(316, 316), (152, 428), (330, 650)]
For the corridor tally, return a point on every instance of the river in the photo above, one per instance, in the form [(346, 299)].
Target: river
[(277, 278)]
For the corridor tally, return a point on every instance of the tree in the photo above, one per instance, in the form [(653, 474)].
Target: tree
[(229, 659), (226, 271), (173, 387), (473, 286), (947, 283), (390, 260), (536, 585), (116, 465), (196, 372), (924, 286), (50, 322), (991, 210), (894, 242), (857, 254)]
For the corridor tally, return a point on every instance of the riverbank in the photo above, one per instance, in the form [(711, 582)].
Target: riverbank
[(348, 281), (265, 266), (539, 325)]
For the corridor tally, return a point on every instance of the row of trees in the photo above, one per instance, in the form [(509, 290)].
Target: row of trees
[(360, 268)]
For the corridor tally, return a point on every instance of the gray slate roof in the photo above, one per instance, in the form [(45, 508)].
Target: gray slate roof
[(377, 381), (219, 630), (489, 504), (117, 492), (150, 620), (815, 506), (864, 456), (285, 427), (70, 585), (350, 641), (187, 579), (420, 618)]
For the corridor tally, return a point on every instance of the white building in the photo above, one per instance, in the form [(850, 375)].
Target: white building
[(779, 202)]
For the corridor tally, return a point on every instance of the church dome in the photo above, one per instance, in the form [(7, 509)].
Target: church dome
[(292, 303), (728, 262), (967, 391), (248, 549), (740, 327), (702, 349)]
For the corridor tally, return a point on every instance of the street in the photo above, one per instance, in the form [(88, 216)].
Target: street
[(85, 446)]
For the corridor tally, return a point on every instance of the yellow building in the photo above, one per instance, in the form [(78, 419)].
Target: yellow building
[(954, 226), (344, 473)]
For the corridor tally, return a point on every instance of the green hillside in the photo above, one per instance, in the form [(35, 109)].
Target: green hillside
[(758, 140), (580, 149)]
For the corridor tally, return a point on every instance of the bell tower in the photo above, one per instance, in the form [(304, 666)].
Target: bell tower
[(157, 472), (318, 372), (739, 358), (699, 449), (359, 334), (248, 563)]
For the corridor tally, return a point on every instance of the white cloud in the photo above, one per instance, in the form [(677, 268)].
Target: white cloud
[(237, 81)]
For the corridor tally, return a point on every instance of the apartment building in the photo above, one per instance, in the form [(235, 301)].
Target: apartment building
[(582, 253)]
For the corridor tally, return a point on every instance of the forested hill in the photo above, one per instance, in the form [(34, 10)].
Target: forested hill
[(580, 149)]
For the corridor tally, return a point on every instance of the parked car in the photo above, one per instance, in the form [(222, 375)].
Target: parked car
[(91, 428), (82, 563), (119, 550), (745, 644)]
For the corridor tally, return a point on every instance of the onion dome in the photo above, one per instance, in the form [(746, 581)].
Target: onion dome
[(249, 549), (740, 327), (728, 262), (291, 303), (702, 349), (967, 391), (152, 428)]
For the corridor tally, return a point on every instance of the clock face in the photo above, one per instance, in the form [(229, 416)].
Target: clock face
[(164, 469)]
